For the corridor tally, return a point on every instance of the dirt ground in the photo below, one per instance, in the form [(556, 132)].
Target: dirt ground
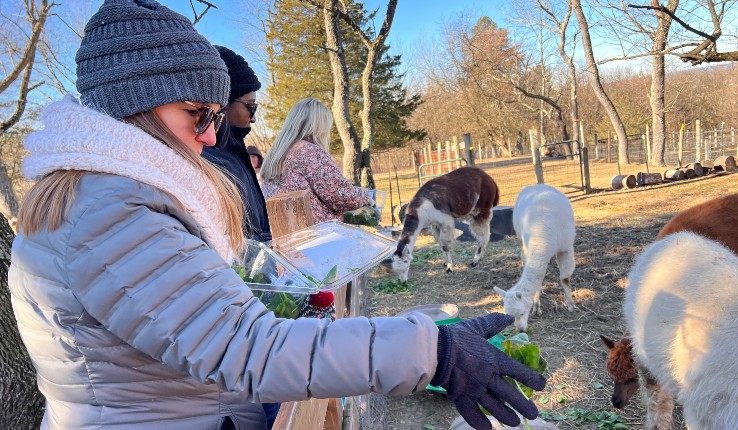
[(612, 228)]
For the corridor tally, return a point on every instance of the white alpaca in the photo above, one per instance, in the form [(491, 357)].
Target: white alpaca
[(544, 221), (681, 310)]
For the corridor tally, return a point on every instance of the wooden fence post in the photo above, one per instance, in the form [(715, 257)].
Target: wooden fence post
[(585, 173), (648, 142), (697, 141), (680, 146), (449, 167), (597, 147), (536, 155), (287, 213), (468, 149), (456, 151)]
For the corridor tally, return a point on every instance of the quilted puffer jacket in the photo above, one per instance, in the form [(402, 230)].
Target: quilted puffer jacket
[(134, 320)]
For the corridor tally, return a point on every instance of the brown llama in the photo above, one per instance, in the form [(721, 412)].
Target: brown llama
[(714, 219)]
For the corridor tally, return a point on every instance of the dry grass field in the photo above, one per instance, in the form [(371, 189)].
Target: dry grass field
[(612, 228)]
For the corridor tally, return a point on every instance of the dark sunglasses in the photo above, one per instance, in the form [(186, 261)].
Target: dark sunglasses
[(251, 106), (206, 115)]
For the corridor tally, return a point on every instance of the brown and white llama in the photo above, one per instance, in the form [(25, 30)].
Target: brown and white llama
[(681, 312), (467, 193)]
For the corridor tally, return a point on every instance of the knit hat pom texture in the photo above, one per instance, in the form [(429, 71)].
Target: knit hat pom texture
[(137, 55)]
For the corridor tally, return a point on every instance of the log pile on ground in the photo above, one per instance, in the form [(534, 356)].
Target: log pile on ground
[(720, 165)]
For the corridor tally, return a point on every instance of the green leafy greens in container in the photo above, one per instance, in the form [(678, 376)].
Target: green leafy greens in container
[(284, 305)]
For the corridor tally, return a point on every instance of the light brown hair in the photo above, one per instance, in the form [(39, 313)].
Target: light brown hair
[(48, 202)]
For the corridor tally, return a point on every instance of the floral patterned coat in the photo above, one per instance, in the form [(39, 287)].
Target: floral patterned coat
[(308, 167)]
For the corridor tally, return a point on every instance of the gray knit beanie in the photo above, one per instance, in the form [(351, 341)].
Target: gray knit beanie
[(137, 55)]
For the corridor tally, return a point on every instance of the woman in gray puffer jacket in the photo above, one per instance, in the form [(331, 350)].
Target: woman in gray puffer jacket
[(120, 275)]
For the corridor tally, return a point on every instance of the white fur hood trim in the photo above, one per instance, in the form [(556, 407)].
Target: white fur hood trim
[(79, 138)]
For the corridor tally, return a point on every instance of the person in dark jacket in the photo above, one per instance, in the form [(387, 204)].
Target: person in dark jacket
[(230, 153)]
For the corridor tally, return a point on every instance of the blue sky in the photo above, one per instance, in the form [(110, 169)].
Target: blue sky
[(234, 25)]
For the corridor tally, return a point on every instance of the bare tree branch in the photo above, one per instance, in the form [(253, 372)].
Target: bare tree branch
[(30, 51), (675, 18), (706, 51), (25, 88), (207, 8)]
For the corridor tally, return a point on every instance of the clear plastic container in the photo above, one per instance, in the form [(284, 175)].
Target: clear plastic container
[(324, 256), (377, 196)]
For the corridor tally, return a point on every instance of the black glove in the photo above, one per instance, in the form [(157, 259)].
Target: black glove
[(472, 371)]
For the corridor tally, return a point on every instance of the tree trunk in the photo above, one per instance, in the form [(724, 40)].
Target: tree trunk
[(349, 138), (658, 86), (367, 119), (563, 130), (22, 405), (599, 90), (367, 78), (7, 194)]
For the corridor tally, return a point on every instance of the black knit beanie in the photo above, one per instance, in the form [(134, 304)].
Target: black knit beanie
[(137, 55), (243, 78)]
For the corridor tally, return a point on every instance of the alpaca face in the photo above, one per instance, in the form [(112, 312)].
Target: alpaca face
[(517, 305), (623, 392), (622, 369), (401, 265)]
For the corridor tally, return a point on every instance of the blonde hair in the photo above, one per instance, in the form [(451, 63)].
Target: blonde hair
[(48, 202), (310, 120)]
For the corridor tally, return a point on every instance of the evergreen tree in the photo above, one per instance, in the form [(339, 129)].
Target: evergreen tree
[(299, 67)]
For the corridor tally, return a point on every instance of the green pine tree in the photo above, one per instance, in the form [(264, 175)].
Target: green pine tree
[(299, 67)]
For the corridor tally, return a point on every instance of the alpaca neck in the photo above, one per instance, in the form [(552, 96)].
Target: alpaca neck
[(532, 278), (410, 231)]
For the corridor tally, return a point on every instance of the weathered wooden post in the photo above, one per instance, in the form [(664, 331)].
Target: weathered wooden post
[(582, 138), (680, 145), (437, 168), (648, 142), (456, 151), (597, 147), (698, 141), (585, 164), (449, 166), (643, 147), (536, 155), (287, 213), (468, 149)]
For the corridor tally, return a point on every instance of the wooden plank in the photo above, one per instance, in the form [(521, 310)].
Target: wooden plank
[(339, 295), (334, 415), (305, 415), (289, 212)]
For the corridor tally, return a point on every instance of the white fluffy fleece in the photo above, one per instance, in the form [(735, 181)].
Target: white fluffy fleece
[(78, 138), (681, 309)]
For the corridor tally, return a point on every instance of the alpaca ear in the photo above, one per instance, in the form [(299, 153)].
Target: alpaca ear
[(609, 343), (500, 291)]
